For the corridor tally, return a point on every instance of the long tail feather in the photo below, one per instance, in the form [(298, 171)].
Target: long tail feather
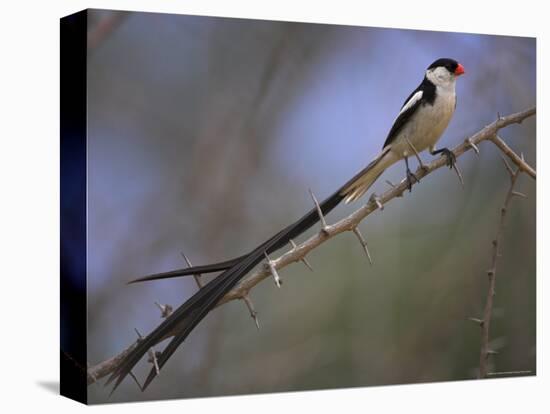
[(210, 268), (189, 314), (202, 311), (268, 246), (188, 271), (184, 319), (363, 180)]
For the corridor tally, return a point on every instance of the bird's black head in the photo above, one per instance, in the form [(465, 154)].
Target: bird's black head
[(450, 64)]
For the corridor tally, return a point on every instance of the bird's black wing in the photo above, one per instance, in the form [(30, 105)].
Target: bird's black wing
[(428, 95)]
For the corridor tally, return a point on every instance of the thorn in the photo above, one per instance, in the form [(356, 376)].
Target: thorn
[(306, 263), (165, 310), (253, 313), (153, 359), (273, 271), (324, 227), (507, 165), (392, 185), (302, 259), (363, 243), (476, 320), (472, 145), (151, 352), (376, 200), (498, 116), (518, 194), (459, 175), (197, 277), (491, 272), (491, 352)]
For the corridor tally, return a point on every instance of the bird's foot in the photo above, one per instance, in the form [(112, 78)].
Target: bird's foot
[(411, 179), (451, 157)]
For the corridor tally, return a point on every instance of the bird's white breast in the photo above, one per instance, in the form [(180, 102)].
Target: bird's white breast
[(428, 123)]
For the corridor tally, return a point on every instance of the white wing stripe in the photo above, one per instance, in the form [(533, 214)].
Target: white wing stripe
[(415, 98)]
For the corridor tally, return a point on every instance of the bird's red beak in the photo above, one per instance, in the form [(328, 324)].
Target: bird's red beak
[(459, 70)]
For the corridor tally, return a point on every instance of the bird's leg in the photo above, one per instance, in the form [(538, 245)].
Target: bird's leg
[(410, 176), (451, 157), (422, 165)]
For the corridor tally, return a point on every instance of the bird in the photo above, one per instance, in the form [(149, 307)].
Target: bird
[(420, 123)]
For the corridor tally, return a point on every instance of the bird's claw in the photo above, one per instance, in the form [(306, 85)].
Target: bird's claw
[(451, 157), (411, 179)]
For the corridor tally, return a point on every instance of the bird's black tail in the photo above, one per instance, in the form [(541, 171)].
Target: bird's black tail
[(351, 191), (195, 270), (184, 319), (283, 237)]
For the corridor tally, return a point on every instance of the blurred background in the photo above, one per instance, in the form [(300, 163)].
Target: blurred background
[(204, 136)]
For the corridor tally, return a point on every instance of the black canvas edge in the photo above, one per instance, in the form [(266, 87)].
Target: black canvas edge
[(73, 99)]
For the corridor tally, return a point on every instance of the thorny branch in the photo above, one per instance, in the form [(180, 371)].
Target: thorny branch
[(519, 161), (491, 273), (349, 223)]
